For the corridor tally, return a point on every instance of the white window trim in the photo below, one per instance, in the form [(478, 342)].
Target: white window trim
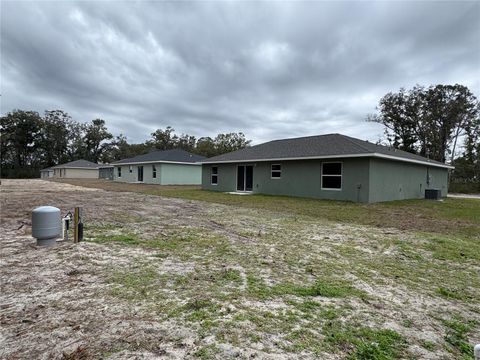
[(341, 176), (154, 171), (212, 175), (271, 171)]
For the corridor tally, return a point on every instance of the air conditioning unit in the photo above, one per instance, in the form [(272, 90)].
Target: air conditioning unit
[(433, 194)]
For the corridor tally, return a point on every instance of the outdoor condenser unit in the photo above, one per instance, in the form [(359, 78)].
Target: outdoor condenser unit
[(433, 194)]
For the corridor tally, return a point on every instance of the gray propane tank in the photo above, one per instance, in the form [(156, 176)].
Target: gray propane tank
[(46, 225)]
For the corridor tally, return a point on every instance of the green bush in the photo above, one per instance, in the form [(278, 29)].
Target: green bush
[(465, 188)]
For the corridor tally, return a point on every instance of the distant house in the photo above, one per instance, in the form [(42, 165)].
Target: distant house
[(82, 169), (46, 173), (332, 166), (168, 167), (105, 172)]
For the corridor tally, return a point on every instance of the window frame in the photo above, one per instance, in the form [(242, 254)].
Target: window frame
[(276, 171), (329, 175), (130, 169), (154, 171), (119, 171), (213, 175)]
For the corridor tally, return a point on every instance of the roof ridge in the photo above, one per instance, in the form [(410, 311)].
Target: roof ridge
[(354, 143), (294, 138)]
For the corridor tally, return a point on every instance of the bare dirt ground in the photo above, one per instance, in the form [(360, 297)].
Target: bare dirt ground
[(171, 278)]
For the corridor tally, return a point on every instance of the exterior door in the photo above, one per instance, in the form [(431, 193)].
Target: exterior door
[(244, 178), (140, 174)]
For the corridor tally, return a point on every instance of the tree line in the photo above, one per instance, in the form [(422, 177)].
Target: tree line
[(440, 122), (435, 122), (30, 142)]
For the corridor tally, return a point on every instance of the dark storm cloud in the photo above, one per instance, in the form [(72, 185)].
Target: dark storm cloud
[(269, 69)]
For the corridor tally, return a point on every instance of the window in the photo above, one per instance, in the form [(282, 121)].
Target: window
[(130, 168), (276, 171), (119, 171), (332, 176), (214, 175), (154, 172)]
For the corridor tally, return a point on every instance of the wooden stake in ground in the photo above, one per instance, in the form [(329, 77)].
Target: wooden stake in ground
[(76, 220)]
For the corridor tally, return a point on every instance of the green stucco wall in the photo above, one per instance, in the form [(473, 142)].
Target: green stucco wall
[(363, 179), (396, 180), (167, 174), (299, 178), (177, 174)]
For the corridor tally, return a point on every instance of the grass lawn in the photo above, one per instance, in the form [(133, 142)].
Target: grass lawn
[(459, 217), (192, 274)]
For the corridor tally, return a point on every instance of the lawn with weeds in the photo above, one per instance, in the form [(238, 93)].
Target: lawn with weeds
[(193, 274), (311, 267), (452, 216), (365, 343), (456, 336)]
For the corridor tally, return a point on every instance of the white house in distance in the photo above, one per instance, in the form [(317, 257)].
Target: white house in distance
[(46, 173), (78, 169), (167, 167)]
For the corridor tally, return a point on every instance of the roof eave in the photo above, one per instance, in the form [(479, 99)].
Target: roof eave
[(157, 162), (75, 167), (375, 155)]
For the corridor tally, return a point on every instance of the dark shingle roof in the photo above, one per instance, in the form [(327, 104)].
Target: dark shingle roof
[(78, 164), (175, 155), (316, 147), (47, 169)]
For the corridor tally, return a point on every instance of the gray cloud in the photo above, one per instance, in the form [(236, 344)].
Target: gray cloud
[(269, 69)]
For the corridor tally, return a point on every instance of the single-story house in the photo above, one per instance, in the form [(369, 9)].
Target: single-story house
[(81, 169), (167, 167), (46, 173), (105, 171), (331, 166)]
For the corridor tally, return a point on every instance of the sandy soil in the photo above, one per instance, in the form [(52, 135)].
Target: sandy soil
[(61, 302), (54, 303)]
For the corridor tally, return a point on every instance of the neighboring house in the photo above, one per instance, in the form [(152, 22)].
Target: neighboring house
[(332, 166), (81, 169), (168, 167), (46, 173), (105, 172)]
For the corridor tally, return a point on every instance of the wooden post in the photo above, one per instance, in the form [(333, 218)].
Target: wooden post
[(75, 224)]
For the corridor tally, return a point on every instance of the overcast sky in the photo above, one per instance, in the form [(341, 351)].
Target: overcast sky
[(269, 69)]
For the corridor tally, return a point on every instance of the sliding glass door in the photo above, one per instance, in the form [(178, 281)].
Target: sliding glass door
[(244, 178)]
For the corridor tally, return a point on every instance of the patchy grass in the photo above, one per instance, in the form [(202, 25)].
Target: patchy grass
[(270, 277), (435, 264), (454, 293), (453, 248), (428, 345), (457, 331), (125, 239), (322, 287), (452, 216), (184, 242), (137, 283), (206, 352), (365, 343)]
